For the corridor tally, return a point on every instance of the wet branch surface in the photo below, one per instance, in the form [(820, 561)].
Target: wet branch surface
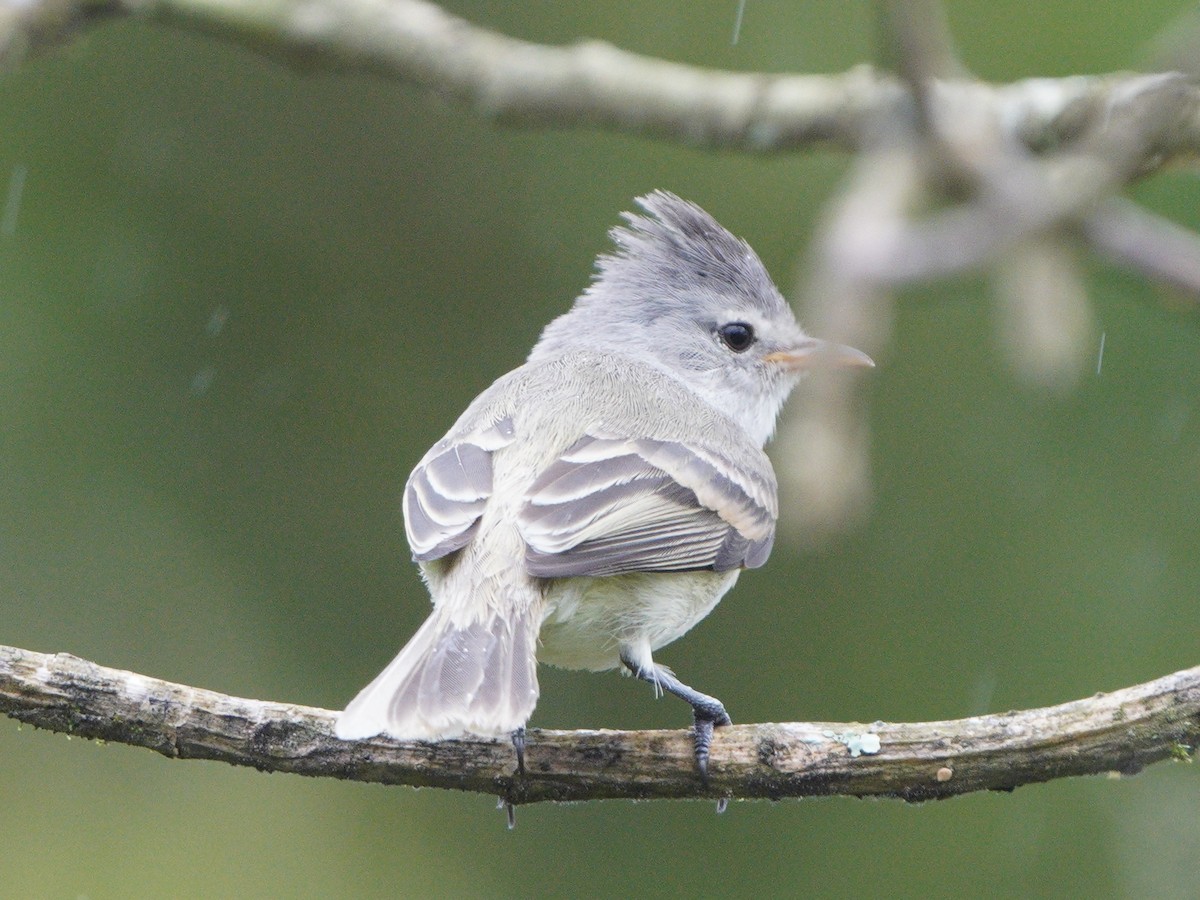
[(1122, 731)]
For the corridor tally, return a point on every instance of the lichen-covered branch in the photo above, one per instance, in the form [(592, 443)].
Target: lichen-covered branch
[(1118, 732)]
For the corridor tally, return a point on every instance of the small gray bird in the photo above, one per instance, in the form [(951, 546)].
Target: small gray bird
[(594, 504)]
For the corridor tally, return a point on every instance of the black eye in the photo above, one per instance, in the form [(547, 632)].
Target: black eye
[(738, 336)]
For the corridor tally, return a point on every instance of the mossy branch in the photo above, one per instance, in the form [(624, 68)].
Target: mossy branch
[(1118, 732)]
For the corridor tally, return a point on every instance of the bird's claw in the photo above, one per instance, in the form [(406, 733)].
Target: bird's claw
[(706, 718), (518, 741)]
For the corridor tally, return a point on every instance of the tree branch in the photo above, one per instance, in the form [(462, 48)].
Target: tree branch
[(1122, 732), (593, 83)]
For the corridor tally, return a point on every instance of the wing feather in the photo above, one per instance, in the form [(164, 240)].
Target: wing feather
[(610, 506), (448, 490)]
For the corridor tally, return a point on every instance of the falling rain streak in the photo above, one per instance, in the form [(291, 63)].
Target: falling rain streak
[(737, 22)]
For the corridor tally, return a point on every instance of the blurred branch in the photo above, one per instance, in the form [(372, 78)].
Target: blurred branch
[(915, 43), (1119, 732), (1154, 246), (592, 83), (958, 189)]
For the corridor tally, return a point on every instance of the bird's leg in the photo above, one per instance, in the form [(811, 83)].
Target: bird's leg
[(518, 741), (707, 711)]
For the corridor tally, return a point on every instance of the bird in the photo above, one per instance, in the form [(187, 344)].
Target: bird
[(595, 503)]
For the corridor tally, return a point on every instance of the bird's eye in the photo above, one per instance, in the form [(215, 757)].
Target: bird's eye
[(737, 336)]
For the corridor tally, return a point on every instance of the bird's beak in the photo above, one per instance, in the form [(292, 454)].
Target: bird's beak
[(814, 353)]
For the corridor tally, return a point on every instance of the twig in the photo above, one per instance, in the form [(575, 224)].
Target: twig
[(1122, 732), (1154, 246)]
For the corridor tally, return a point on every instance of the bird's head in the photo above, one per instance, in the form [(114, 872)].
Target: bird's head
[(682, 293)]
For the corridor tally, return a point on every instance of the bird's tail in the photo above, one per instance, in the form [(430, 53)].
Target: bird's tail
[(452, 679)]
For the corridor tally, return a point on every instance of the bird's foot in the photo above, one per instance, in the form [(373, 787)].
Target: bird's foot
[(510, 808), (706, 716), (518, 741), (707, 712)]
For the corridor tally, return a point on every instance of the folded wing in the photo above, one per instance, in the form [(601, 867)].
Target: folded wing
[(610, 506), (448, 490)]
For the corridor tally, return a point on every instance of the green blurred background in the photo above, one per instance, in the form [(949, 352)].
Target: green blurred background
[(238, 303)]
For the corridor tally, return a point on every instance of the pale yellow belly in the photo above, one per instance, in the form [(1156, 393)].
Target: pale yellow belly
[(589, 620)]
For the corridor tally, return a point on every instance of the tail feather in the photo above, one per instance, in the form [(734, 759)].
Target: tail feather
[(451, 680)]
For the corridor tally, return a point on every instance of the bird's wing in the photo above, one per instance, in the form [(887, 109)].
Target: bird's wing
[(609, 506), (447, 491)]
